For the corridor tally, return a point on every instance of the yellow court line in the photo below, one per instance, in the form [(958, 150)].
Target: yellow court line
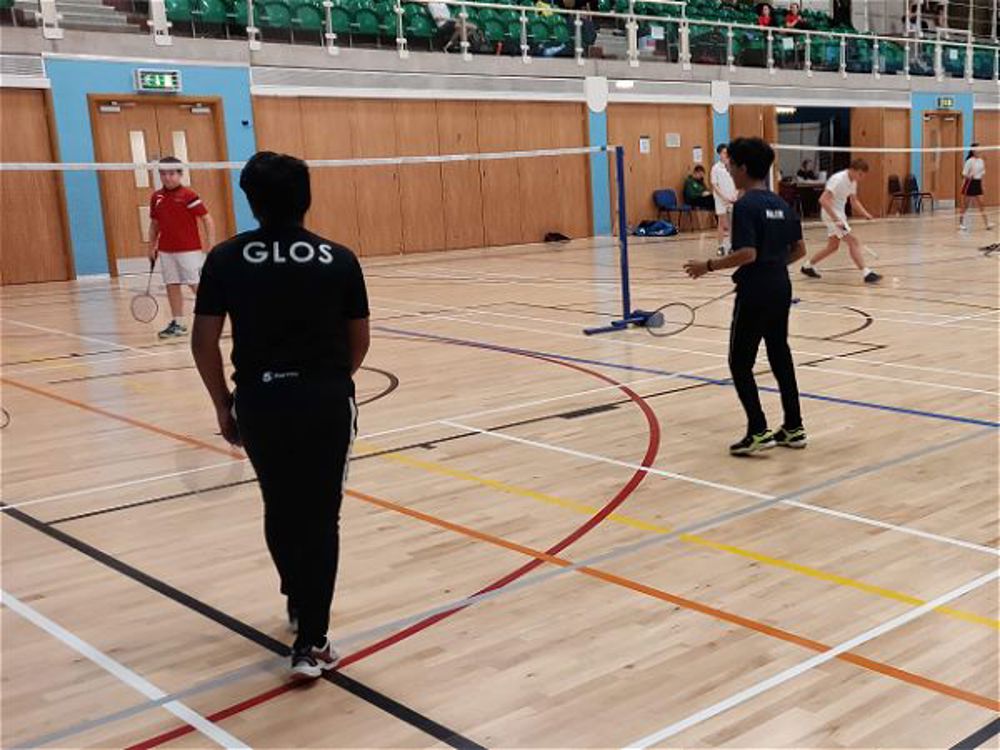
[(695, 539)]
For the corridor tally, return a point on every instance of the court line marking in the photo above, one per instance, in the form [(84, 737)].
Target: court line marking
[(229, 678), (564, 566), (617, 552), (59, 332), (809, 395), (120, 485), (192, 718), (724, 487), (462, 316), (811, 663), (642, 525)]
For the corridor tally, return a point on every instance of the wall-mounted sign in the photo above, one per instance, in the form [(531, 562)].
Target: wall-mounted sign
[(644, 144), (946, 102), (673, 140), (157, 81)]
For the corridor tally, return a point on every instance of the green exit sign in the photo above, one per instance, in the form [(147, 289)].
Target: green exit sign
[(159, 81), (946, 102)]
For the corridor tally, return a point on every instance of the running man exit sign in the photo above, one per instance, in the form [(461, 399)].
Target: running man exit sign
[(946, 102), (158, 81)]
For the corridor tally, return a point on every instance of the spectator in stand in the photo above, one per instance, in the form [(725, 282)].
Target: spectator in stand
[(793, 18), (696, 192), (448, 29), (764, 17), (588, 29), (806, 171)]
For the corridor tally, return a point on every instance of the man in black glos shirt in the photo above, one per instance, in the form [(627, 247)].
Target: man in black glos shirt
[(299, 312), (766, 237)]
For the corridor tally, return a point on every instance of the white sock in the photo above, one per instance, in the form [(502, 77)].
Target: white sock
[(865, 271), (807, 264)]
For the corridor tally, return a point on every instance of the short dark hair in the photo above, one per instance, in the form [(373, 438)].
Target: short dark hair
[(720, 147), (169, 160), (859, 165), (698, 168), (754, 154), (277, 188)]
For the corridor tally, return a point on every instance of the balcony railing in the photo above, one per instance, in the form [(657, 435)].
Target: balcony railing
[(648, 30)]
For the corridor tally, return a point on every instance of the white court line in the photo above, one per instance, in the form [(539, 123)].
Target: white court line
[(59, 332), (724, 487), (463, 316), (119, 485), (784, 676), (214, 732)]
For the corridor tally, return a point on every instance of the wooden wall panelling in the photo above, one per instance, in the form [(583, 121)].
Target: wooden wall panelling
[(627, 123), (987, 133), (693, 124), (421, 187), (34, 244), (278, 122), (540, 210), (572, 178), (895, 133), (497, 131), (380, 219), (462, 187), (867, 130), (326, 134)]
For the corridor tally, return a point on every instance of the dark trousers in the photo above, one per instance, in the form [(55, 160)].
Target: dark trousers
[(763, 315), (704, 202), (297, 433)]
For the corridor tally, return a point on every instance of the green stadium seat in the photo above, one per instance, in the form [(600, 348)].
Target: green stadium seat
[(179, 11), (308, 15), (237, 13), (274, 14), (209, 11)]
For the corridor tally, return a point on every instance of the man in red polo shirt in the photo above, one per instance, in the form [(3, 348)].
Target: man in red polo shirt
[(175, 212)]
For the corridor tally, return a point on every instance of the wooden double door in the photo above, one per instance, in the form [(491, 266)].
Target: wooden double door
[(141, 130), (942, 170)]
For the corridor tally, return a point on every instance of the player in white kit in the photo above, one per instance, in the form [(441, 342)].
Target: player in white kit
[(841, 188)]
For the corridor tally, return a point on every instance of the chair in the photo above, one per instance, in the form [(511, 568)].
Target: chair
[(896, 193), (666, 203), (913, 189)]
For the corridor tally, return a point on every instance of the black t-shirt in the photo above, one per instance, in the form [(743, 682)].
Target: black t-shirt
[(764, 221), (289, 294)]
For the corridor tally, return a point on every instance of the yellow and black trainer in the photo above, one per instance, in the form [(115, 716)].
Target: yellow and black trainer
[(791, 438), (760, 441)]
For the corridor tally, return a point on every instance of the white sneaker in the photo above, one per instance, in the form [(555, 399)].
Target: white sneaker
[(962, 228), (314, 661)]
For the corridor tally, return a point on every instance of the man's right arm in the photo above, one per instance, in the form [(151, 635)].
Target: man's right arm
[(358, 341), (798, 252), (154, 238), (826, 203)]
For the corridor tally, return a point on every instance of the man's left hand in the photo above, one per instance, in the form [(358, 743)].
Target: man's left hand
[(696, 268)]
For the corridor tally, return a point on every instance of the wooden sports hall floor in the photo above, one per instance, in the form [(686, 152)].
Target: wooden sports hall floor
[(637, 586)]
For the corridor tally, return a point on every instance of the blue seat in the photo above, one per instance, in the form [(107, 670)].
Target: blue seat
[(666, 203)]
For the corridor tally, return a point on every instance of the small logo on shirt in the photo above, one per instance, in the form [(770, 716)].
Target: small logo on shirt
[(268, 376), (775, 213)]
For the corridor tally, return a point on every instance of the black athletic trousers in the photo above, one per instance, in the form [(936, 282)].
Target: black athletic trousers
[(763, 314), (298, 432)]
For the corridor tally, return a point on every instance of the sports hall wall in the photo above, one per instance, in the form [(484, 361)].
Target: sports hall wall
[(662, 124)]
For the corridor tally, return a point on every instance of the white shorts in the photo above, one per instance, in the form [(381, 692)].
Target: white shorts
[(182, 268), (832, 230), (722, 207)]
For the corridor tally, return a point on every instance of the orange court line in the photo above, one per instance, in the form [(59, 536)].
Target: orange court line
[(760, 627)]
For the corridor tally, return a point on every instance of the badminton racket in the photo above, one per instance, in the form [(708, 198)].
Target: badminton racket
[(144, 306), (4, 418), (870, 251), (676, 317)]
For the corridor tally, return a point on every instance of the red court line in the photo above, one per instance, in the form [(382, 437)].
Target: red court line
[(652, 448)]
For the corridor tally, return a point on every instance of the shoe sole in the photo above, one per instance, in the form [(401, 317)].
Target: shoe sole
[(799, 444), (752, 449), (312, 673)]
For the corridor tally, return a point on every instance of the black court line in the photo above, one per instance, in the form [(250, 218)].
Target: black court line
[(978, 738), (574, 413), (369, 695)]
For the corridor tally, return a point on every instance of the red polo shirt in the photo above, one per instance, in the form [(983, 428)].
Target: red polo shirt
[(177, 211)]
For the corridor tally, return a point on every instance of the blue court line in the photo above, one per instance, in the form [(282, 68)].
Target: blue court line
[(697, 378)]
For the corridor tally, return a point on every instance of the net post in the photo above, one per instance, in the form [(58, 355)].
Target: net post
[(622, 231), (629, 316)]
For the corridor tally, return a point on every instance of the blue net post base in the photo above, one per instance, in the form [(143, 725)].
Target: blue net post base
[(635, 318)]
